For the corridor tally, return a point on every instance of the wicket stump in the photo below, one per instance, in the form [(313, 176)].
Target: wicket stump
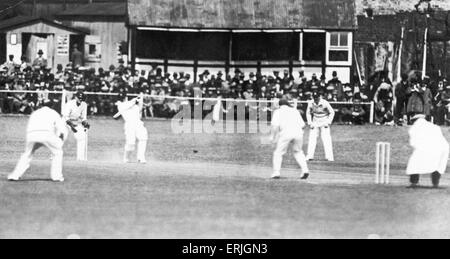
[(383, 163)]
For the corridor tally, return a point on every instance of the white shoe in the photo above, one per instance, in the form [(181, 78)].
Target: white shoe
[(142, 162), (276, 176), (13, 179), (60, 180), (330, 160)]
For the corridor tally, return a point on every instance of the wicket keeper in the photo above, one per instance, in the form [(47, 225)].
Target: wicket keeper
[(75, 115), (45, 128), (287, 129), (320, 116), (431, 151)]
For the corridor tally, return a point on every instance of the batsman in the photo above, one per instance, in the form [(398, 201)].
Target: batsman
[(131, 112), (75, 115)]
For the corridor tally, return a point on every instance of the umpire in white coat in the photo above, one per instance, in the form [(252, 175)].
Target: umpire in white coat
[(287, 129), (431, 151)]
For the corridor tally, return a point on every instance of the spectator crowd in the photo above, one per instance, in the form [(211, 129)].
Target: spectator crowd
[(393, 105)]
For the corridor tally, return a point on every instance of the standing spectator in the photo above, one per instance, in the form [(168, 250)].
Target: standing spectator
[(442, 104), (402, 97), (40, 62), (77, 57), (287, 82), (427, 101), (415, 102)]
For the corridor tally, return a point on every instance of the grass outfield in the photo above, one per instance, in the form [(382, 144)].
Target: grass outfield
[(220, 192)]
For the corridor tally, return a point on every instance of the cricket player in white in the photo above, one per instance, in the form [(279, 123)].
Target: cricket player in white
[(45, 128), (75, 115), (431, 151), (134, 127), (320, 116), (287, 128)]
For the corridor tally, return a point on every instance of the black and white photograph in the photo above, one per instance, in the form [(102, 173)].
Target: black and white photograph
[(224, 120)]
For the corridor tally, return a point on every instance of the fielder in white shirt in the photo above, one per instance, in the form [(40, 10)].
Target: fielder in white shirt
[(287, 128), (320, 116), (75, 115), (45, 128), (134, 127)]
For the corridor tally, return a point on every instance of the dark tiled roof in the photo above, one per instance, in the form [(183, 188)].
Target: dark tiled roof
[(97, 9), (244, 14)]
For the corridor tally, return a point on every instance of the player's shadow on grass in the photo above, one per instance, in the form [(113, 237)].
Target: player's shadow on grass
[(440, 188), (31, 180)]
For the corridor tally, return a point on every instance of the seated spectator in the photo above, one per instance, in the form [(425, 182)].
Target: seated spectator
[(344, 115), (10, 65), (358, 113)]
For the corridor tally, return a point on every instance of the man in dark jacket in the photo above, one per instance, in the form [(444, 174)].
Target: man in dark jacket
[(402, 96)]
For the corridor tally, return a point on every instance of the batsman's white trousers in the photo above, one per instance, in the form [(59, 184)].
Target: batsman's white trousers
[(326, 139), (137, 132), (282, 148), (35, 140), (81, 138)]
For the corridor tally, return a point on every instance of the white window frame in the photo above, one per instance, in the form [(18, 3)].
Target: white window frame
[(300, 56), (348, 48)]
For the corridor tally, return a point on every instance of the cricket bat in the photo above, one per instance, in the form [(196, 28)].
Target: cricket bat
[(74, 130), (139, 99)]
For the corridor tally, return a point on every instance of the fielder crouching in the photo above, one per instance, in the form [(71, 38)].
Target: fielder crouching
[(134, 127), (45, 128), (431, 151), (75, 115)]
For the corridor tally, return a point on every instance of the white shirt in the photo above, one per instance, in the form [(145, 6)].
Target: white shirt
[(75, 113), (130, 111), (46, 120), (320, 114), (289, 121)]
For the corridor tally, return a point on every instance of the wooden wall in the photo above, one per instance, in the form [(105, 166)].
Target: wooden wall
[(110, 33)]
